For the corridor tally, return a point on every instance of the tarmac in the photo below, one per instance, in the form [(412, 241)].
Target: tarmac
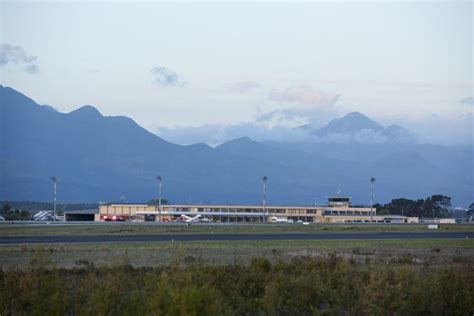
[(67, 239)]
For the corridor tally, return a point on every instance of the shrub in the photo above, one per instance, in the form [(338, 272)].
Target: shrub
[(305, 286)]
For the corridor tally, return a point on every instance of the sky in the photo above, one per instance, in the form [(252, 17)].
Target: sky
[(206, 72)]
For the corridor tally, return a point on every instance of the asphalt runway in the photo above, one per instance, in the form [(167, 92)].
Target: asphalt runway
[(9, 240)]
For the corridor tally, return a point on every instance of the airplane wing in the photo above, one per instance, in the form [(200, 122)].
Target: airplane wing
[(192, 219)]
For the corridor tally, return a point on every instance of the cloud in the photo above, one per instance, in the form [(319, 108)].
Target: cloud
[(244, 86), (458, 128), (284, 117), (302, 105), (364, 136), (215, 134), (10, 54), (165, 77), (32, 68), (468, 101), (305, 96)]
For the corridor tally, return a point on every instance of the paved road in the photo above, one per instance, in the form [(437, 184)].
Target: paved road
[(7, 240)]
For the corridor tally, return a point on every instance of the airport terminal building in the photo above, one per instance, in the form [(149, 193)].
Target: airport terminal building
[(337, 210)]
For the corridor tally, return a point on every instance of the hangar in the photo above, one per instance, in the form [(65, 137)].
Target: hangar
[(80, 215)]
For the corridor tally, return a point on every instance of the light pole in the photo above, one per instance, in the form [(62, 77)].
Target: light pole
[(264, 182), (55, 180), (159, 195), (372, 182)]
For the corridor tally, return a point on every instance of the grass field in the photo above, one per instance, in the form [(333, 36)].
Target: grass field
[(360, 277), (35, 229), (153, 254), (406, 252)]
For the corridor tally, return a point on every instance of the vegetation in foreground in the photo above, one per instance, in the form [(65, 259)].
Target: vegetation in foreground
[(304, 286), (151, 254)]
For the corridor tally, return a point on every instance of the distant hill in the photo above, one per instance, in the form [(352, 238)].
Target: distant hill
[(100, 158), (356, 127)]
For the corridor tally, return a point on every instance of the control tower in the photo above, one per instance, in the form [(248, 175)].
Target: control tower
[(343, 201)]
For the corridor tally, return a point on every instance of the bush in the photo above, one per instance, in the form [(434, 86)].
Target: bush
[(304, 286)]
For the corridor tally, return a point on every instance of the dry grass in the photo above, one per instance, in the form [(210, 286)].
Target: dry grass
[(407, 252)]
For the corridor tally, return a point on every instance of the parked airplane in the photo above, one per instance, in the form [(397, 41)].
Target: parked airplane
[(188, 219), (275, 219), (44, 216)]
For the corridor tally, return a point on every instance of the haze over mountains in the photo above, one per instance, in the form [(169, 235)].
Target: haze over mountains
[(100, 158), (356, 127)]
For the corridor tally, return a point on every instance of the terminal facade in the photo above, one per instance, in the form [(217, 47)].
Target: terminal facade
[(338, 210)]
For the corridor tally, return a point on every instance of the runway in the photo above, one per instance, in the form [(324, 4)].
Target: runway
[(10, 240)]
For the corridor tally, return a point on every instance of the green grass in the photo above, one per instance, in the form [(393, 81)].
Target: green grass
[(411, 252), (35, 229), (227, 252)]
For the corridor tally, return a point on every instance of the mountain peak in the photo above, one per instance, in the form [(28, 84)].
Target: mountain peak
[(355, 115), (243, 139), (398, 133), (239, 143), (395, 127), (11, 98), (86, 111), (360, 119), (349, 124), (201, 146)]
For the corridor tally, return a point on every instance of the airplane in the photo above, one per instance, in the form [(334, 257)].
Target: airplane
[(275, 219), (188, 219)]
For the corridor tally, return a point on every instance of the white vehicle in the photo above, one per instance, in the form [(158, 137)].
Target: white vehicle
[(189, 219), (275, 219)]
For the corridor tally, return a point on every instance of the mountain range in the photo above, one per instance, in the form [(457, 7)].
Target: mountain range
[(101, 158)]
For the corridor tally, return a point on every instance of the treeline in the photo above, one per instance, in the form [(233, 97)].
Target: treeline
[(305, 286), (434, 206)]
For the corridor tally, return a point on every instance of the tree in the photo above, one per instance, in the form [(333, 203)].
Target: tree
[(437, 205), (6, 208), (381, 209), (406, 207), (24, 215)]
